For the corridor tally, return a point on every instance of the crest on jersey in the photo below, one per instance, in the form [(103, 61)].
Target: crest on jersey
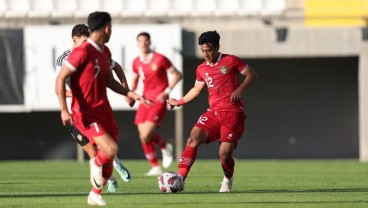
[(154, 67), (223, 69)]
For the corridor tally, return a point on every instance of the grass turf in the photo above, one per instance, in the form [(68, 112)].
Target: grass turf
[(257, 183)]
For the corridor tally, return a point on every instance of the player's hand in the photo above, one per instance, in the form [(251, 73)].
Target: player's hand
[(236, 97), (66, 118), (162, 97), (145, 102), (171, 103), (129, 101)]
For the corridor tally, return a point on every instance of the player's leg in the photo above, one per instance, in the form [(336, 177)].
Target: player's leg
[(107, 149), (156, 115), (228, 164), (91, 150), (146, 130), (196, 138), (232, 128)]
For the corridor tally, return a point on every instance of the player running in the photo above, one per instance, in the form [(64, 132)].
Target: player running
[(80, 34), (153, 69), (89, 68), (224, 120)]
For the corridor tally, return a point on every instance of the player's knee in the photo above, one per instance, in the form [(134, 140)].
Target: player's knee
[(111, 151), (194, 141)]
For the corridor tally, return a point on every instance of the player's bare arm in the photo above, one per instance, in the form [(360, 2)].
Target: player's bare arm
[(250, 77), (60, 91), (135, 79), (191, 95), (177, 76), (121, 75), (116, 87)]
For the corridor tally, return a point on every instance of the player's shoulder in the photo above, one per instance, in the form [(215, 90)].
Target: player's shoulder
[(158, 55), (229, 56), (60, 60)]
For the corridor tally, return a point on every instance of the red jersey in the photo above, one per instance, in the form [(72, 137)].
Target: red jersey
[(88, 83), (221, 79), (154, 74)]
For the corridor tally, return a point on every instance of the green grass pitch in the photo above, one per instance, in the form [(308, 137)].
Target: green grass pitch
[(257, 183)]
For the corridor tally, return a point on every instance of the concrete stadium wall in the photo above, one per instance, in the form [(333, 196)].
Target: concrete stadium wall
[(299, 108)]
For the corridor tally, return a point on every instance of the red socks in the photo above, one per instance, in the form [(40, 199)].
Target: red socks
[(186, 161), (157, 139), (228, 168), (149, 151)]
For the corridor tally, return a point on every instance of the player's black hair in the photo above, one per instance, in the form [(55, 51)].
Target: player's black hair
[(209, 37), (97, 20), (145, 34), (80, 30)]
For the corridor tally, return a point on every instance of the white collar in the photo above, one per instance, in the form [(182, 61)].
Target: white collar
[(218, 59), (142, 59), (94, 44)]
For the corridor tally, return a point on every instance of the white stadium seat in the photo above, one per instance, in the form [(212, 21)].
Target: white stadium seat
[(273, 7), (2, 7), (157, 7), (85, 7), (203, 7), (180, 8), (114, 7), (226, 7), (249, 7), (133, 8), (64, 8), (40, 8), (17, 8)]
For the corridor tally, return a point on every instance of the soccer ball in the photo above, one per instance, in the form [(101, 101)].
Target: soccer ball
[(170, 182)]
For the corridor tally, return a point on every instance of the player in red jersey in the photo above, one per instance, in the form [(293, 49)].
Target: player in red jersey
[(153, 69), (224, 120), (80, 33), (88, 67)]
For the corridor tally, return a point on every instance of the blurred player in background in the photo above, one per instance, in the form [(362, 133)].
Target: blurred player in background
[(80, 34), (224, 120), (89, 68), (153, 69)]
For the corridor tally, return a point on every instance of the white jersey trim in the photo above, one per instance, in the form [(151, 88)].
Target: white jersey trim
[(71, 67), (94, 44), (245, 68)]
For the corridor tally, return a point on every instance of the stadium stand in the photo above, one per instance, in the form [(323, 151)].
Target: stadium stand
[(157, 8), (40, 8), (336, 12), (180, 8), (113, 6), (273, 7), (64, 8), (203, 8), (2, 7), (85, 7), (133, 8), (226, 7), (17, 8), (249, 7)]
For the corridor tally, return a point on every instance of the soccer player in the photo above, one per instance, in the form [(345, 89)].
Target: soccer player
[(80, 34), (89, 68), (153, 69), (224, 120)]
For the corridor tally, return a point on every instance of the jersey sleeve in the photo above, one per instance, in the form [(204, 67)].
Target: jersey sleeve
[(239, 64), (199, 78), (76, 58), (166, 63)]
